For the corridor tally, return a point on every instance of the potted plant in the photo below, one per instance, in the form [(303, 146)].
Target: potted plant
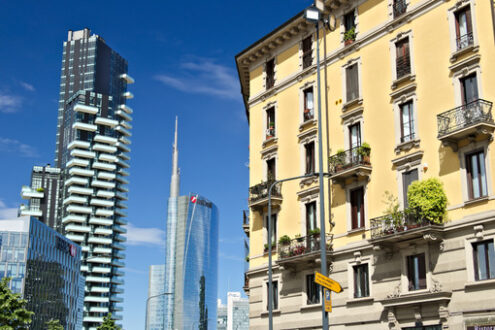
[(338, 160), (394, 216), (284, 240), (299, 238), (364, 151), (350, 36)]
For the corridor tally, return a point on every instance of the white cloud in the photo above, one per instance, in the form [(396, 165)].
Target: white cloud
[(145, 236), (204, 77), (9, 103), (15, 146), (7, 213), (27, 86)]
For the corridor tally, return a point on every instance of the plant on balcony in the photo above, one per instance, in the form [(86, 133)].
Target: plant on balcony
[(299, 238), (314, 232), (284, 240), (350, 36), (266, 246), (337, 161), (429, 199), (364, 151), (40, 189), (394, 216)]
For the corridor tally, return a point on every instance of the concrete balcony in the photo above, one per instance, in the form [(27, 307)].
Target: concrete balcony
[(101, 270), (79, 209), (469, 120), (118, 246), (258, 195), (125, 124), (121, 205), (123, 115), (75, 200), (77, 162), (104, 212), (79, 190), (123, 147), (104, 148), (106, 175), (123, 131), (120, 238), (92, 319), (77, 181), (99, 259), (120, 212), (101, 202), (117, 272), (121, 195), (117, 309), (103, 231), (99, 240), (128, 79), (81, 172), (104, 166), (123, 163), (117, 280), (96, 299), (84, 127), (303, 250), (74, 218), (106, 122), (77, 229), (105, 193), (78, 144), (105, 139), (124, 156), (97, 279), (103, 184), (116, 298), (122, 188), (94, 309), (351, 163), (86, 109), (28, 192), (123, 172), (119, 255), (126, 108), (108, 158), (128, 95), (119, 229), (121, 221), (124, 140), (100, 289), (75, 238), (100, 221), (116, 289), (117, 263), (82, 153), (121, 179), (25, 210)]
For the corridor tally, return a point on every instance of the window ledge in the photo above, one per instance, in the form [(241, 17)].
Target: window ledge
[(307, 123), (349, 104), (407, 78), (274, 312), (360, 300), (406, 146), (479, 283), (271, 140), (471, 48), (357, 230), (310, 307), (476, 200)]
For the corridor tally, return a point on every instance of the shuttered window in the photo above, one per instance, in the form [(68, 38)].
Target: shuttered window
[(311, 217), (463, 28), (352, 82), (275, 295)]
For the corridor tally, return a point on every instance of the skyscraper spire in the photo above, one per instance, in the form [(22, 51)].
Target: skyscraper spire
[(175, 180)]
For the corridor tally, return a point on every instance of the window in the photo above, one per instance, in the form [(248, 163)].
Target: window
[(416, 272), (406, 122), (270, 73), (309, 150), (270, 123), (402, 58), (307, 52), (349, 21), (270, 170), (469, 89), (273, 228), (357, 208), (476, 175), (408, 178), (354, 135), (312, 290), (352, 82), (463, 28), (399, 7), (275, 295), (484, 260), (311, 223), (309, 108), (361, 282)]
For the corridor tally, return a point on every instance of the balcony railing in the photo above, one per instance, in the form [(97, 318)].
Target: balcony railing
[(387, 225), (260, 191), (464, 41), (479, 111), (309, 114), (403, 65), (349, 158), (307, 59), (399, 7), (302, 246), (407, 138)]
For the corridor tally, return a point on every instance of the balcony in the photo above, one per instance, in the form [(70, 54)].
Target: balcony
[(121, 221), (101, 202), (302, 249), (99, 240), (75, 238), (79, 209), (245, 222), (117, 289), (123, 163), (100, 221), (75, 200), (77, 162), (25, 210), (120, 212), (119, 229), (122, 180), (403, 226), (104, 166), (126, 108), (84, 126), (102, 250), (124, 140), (106, 175), (79, 190), (106, 121), (104, 212), (103, 184), (103, 231), (120, 238), (128, 95), (97, 279), (258, 194), (468, 120), (117, 280), (76, 180), (403, 66), (81, 172), (105, 139), (399, 8), (123, 147), (28, 192), (78, 144), (117, 263), (125, 124), (82, 153), (108, 158), (119, 255), (128, 79), (123, 131), (105, 194), (464, 41), (74, 218), (104, 148), (121, 195), (124, 115), (77, 229), (86, 109), (118, 246), (354, 162)]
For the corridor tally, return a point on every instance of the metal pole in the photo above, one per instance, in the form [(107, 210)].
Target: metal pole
[(323, 243), (147, 306)]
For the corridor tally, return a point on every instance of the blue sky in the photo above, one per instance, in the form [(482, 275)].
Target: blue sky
[(182, 56)]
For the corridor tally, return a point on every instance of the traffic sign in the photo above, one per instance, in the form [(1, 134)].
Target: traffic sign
[(327, 282), (328, 300)]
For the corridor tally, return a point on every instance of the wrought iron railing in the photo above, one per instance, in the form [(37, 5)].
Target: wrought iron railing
[(391, 224), (399, 7), (308, 114), (464, 116), (464, 41), (303, 245), (403, 65), (260, 191), (407, 138), (349, 158)]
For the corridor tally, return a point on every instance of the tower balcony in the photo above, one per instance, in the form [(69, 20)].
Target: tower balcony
[(120, 238), (74, 218), (104, 166), (121, 205), (117, 289), (124, 156), (106, 122), (77, 162), (100, 221), (121, 195), (121, 179), (97, 279), (128, 79), (118, 246), (25, 210), (102, 250), (128, 95), (78, 144), (103, 231), (73, 199), (105, 139), (86, 109), (119, 229), (79, 190), (303, 250), (28, 192), (105, 193), (79, 209), (103, 184), (96, 309), (82, 153), (124, 115), (81, 172), (76, 180), (118, 299), (108, 158), (75, 237), (123, 147), (123, 131), (77, 229), (106, 175), (126, 108), (104, 148), (84, 127), (123, 163), (101, 202), (120, 212), (104, 212), (350, 163), (258, 195), (468, 120), (125, 124), (121, 221), (99, 240), (117, 280), (124, 140), (117, 263)]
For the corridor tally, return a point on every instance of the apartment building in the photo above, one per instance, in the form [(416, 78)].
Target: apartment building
[(407, 91)]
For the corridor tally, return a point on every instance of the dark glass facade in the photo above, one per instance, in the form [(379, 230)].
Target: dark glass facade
[(44, 267)]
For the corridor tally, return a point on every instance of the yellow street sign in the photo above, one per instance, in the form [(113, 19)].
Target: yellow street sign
[(328, 300), (327, 282)]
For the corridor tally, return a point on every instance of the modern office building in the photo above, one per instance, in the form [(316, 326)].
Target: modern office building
[(44, 267), (191, 258), (43, 196), (156, 299), (414, 80), (221, 316), (234, 315)]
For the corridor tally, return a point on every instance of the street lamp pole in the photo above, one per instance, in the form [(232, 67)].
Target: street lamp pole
[(147, 303)]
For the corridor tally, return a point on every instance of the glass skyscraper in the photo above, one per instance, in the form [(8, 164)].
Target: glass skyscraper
[(156, 298), (44, 267), (191, 258)]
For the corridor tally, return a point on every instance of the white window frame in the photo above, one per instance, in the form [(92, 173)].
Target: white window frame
[(342, 25), (453, 36), (391, 9), (393, 55), (314, 197), (462, 73), (302, 144), (309, 84), (409, 251), (468, 247), (265, 228), (275, 66), (411, 96), (414, 165), (275, 278), (352, 120), (359, 99), (273, 105), (462, 152), (265, 165), (358, 260), (304, 296), (348, 189), (313, 51)]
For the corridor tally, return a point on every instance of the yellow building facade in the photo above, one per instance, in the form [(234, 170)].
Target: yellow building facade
[(407, 92)]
